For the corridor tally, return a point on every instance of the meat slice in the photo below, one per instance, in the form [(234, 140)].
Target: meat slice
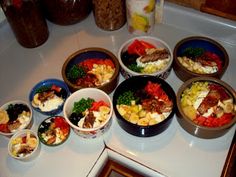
[(156, 55)]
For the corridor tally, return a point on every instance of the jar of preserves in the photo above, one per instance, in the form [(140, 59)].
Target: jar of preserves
[(66, 12), (26, 21), (109, 14)]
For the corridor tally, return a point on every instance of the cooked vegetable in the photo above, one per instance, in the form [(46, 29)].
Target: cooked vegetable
[(75, 72), (126, 98), (135, 68), (193, 53), (82, 105)]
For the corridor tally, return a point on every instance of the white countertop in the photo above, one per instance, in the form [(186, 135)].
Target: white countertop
[(174, 153)]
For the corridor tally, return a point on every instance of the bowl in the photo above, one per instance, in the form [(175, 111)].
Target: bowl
[(53, 131), (14, 116), (206, 107), (198, 56), (24, 145), (48, 96), (145, 55), (144, 105), (91, 67), (89, 112)]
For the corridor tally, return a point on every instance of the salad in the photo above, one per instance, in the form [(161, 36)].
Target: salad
[(53, 130), (48, 98), (208, 104), (15, 117), (88, 113), (198, 60), (144, 57), (91, 72), (147, 106), (23, 146)]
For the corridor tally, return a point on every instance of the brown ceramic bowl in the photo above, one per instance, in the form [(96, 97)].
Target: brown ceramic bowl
[(91, 53), (197, 49), (189, 109)]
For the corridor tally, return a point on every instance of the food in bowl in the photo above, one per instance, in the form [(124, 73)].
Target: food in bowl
[(92, 72), (144, 57), (199, 60), (208, 104), (146, 106), (48, 96), (53, 131), (88, 113), (91, 67), (14, 116), (23, 146)]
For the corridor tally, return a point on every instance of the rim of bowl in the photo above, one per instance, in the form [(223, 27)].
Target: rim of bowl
[(163, 121), (19, 133), (41, 83), (188, 83), (145, 37), (40, 139), (17, 102), (88, 129), (85, 50), (203, 38)]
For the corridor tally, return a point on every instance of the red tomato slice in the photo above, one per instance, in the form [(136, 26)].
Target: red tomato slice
[(56, 88), (136, 48), (147, 45)]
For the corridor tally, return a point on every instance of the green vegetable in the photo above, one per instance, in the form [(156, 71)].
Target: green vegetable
[(126, 98), (75, 72), (43, 89), (135, 68), (193, 53), (82, 105)]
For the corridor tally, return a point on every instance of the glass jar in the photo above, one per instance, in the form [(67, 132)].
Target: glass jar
[(109, 14), (27, 21), (66, 12)]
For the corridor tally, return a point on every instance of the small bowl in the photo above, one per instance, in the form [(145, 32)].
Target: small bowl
[(162, 68), (29, 145), (107, 84), (60, 93), (88, 93), (190, 58), (9, 121), (190, 114), (54, 131), (157, 122)]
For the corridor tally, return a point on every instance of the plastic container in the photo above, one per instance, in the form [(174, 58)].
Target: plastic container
[(27, 21), (66, 12), (109, 14), (140, 16)]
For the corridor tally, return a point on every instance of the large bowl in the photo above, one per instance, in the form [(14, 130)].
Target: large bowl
[(91, 53), (207, 45), (22, 147), (203, 128), (24, 120), (48, 106), (136, 83), (97, 95), (162, 72)]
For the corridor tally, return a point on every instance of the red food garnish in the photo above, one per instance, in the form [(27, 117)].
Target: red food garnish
[(214, 57), (95, 105), (88, 63), (62, 124), (56, 88), (138, 47), (221, 90), (4, 128)]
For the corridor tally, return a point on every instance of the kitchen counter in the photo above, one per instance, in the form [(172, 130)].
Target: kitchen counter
[(174, 153)]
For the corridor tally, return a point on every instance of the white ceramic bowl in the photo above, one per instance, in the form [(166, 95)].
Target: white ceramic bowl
[(158, 43), (26, 125), (30, 156), (85, 93)]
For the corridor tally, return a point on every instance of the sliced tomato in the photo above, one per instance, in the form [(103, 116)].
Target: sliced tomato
[(147, 45), (136, 48), (56, 88)]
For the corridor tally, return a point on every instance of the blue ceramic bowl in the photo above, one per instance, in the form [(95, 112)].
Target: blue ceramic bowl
[(137, 83), (47, 85), (208, 45), (88, 53)]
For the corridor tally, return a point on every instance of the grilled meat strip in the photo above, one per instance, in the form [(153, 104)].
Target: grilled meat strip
[(156, 55)]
